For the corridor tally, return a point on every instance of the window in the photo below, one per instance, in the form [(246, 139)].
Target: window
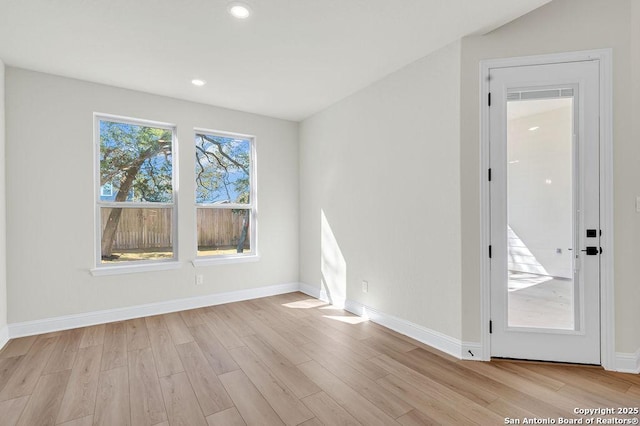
[(135, 212), (225, 195)]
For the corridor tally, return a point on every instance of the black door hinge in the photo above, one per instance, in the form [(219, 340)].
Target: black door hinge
[(489, 175), (489, 98), (489, 252), (490, 327)]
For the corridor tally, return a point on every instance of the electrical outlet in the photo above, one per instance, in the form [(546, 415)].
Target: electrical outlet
[(199, 279), (365, 286), (638, 204)]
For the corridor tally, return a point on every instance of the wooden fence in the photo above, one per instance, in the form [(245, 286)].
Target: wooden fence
[(151, 228)]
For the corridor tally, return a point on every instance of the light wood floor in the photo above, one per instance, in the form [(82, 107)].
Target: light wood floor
[(286, 359)]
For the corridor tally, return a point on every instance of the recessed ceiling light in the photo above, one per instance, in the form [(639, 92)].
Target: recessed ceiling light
[(239, 10), (198, 82), (534, 128)]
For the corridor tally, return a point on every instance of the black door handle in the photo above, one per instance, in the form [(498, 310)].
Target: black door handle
[(592, 251)]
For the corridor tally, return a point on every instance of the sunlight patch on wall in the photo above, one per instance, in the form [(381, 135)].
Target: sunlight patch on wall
[(332, 264)]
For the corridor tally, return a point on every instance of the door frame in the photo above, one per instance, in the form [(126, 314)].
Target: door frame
[(607, 301)]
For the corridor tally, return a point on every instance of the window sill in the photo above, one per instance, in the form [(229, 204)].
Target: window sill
[(132, 269), (222, 260)]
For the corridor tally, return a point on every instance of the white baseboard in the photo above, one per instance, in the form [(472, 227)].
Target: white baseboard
[(628, 363), (67, 322), (472, 351), (429, 337), (4, 336)]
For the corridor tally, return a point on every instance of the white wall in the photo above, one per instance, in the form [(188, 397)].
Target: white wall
[(50, 199), (628, 301), (379, 195), (3, 229), (560, 26)]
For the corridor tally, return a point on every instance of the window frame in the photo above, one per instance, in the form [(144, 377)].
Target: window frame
[(138, 265), (252, 206)]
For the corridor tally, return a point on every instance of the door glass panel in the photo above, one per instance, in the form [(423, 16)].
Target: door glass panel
[(540, 209)]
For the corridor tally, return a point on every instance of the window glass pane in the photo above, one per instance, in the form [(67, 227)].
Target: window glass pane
[(132, 234), (541, 286), (224, 231), (222, 169), (135, 163)]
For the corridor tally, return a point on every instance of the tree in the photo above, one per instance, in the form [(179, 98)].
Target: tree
[(136, 160), (223, 175)]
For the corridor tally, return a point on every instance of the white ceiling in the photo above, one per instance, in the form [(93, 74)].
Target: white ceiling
[(290, 59)]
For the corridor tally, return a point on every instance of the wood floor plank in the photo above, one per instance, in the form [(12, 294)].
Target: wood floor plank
[(416, 418), (595, 397), (193, 317), (282, 325), (235, 322), (7, 367), (520, 372), (84, 421), (388, 339), (223, 332), (301, 301), (112, 402), (363, 366), (17, 347), (484, 389), (228, 417), (177, 328), (340, 321), (80, 395), (242, 311), (357, 405), (93, 336), (64, 354), (147, 404), (25, 376), (289, 351), (137, 334), (312, 422), (442, 411), (507, 409), (596, 391), (213, 350), (164, 351), (281, 399), (44, 403), (295, 305), (114, 353), (534, 386), (11, 410), (206, 385), (439, 391), (315, 329), (328, 411), (379, 396), (254, 409), (451, 377), (181, 402), (281, 367), (322, 337)]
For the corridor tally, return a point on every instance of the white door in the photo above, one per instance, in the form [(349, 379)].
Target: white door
[(545, 224)]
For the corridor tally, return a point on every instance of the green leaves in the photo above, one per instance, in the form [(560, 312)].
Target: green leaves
[(222, 169), (127, 148)]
